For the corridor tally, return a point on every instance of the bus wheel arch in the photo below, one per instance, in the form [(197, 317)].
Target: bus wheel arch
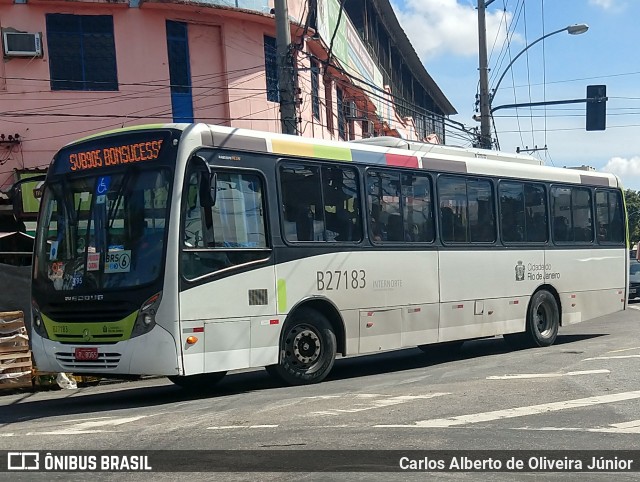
[(308, 345), (332, 314)]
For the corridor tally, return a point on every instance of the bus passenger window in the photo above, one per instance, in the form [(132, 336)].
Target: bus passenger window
[(417, 208), (454, 217), (301, 199), (341, 204), (609, 217), (383, 199)]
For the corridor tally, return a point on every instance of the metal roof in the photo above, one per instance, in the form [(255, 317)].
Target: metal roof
[(396, 32)]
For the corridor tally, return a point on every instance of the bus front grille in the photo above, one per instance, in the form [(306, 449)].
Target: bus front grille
[(89, 312), (105, 361)]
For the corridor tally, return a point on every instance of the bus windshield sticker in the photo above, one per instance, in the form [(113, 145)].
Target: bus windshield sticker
[(118, 261), (56, 270), (102, 188), (93, 261), (53, 253)]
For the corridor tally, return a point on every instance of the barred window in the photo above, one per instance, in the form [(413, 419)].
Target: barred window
[(82, 52)]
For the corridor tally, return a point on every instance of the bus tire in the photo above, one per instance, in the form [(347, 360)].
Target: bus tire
[(543, 319), (200, 382), (307, 349)]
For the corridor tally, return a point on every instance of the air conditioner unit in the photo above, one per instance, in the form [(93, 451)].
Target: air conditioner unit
[(22, 44)]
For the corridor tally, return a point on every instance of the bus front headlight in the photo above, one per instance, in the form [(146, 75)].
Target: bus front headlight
[(37, 321), (146, 319)]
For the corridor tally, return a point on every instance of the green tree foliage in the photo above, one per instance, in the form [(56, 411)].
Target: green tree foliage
[(633, 211)]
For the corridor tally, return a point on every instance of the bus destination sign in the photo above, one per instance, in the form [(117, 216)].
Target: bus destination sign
[(115, 155)]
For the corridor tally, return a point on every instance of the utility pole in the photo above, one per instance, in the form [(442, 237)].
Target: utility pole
[(485, 115), (288, 118)]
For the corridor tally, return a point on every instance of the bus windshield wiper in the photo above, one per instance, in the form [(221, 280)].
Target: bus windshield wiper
[(72, 215), (122, 189)]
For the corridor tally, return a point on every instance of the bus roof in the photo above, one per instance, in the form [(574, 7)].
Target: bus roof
[(414, 155), (383, 151)]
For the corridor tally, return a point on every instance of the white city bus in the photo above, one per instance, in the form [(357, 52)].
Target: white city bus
[(191, 250)]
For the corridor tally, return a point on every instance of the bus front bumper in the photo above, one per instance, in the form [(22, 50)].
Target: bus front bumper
[(153, 353)]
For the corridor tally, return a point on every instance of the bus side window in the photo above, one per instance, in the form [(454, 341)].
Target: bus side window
[(303, 219), (609, 217), (395, 228), (341, 199)]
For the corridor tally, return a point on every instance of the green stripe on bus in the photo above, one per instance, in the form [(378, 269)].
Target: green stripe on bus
[(282, 296), (330, 152), (90, 332)]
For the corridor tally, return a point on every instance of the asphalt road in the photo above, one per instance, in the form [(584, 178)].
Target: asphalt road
[(583, 393)]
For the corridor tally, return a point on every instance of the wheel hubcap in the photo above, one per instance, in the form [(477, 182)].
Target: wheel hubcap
[(543, 320), (304, 346)]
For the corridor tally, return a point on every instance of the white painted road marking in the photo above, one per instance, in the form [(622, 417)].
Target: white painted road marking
[(521, 411), (89, 426), (624, 349), (373, 404), (228, 427), (616, 357), (632, 427), (546, 375)]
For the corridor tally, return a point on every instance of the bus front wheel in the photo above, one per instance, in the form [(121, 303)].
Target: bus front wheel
[(202, 381), (307, 349)]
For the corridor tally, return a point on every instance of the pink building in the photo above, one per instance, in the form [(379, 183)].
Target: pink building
[(77, 67)]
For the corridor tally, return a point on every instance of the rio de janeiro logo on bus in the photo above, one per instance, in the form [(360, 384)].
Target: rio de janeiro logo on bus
[(520, 271)]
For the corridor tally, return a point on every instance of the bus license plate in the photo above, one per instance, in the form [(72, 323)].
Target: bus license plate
[(86, 354)]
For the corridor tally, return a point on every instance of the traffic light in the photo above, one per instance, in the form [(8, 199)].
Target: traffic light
[(596, 107)]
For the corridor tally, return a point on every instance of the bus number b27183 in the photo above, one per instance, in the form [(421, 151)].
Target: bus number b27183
[(335, 280)]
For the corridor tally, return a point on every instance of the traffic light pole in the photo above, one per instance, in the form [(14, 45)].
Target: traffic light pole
[(596, 106), (538, 104)]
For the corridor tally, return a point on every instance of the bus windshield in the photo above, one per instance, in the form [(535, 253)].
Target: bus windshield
[(103, 231)]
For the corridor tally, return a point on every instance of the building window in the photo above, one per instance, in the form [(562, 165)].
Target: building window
[(179, 71), (271, 68), (342, 130), (315, 89), (82, 52), (328, 100)]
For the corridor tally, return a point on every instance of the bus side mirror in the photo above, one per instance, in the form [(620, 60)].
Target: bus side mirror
[(208, 183)]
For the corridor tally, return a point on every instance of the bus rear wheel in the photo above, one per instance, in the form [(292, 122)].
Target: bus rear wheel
[(200, 382), (543, 321), (307, 349)]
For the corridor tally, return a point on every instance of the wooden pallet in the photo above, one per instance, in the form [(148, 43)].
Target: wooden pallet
[(15, 356)]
